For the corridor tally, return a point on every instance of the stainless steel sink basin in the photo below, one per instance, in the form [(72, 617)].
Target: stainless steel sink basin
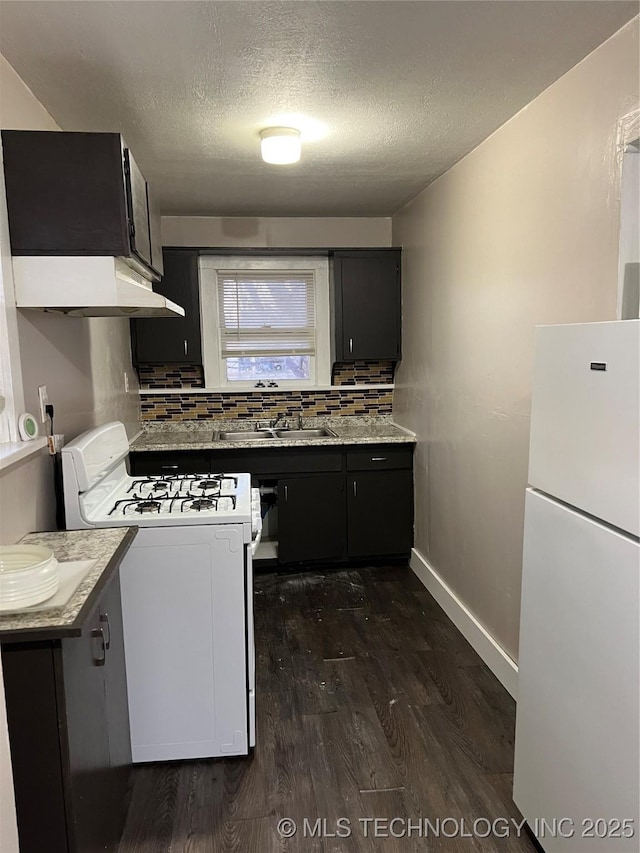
[(244, 435), (266, 435), (322, 432)]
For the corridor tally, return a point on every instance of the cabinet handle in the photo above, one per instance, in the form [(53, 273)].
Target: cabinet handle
[(355, 489), (350, 344), (378, 458), (186, 346), (98, 633), (286, 494), (104, 617), (169, 467)]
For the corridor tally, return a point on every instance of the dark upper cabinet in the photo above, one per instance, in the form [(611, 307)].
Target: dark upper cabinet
[(68, 717), (367, 304), (74, 193), (171, 340), (311, 519)]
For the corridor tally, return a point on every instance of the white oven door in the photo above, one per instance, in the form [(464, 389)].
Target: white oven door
[(185, 630)]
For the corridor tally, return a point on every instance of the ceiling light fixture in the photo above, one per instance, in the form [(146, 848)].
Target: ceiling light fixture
[(280, 145)]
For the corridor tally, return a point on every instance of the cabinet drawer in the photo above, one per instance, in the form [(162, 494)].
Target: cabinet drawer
[(379, 457), (187, 462), (277, 461)]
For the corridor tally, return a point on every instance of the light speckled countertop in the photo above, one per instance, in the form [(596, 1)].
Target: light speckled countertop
[(107, 546), (199, 435)]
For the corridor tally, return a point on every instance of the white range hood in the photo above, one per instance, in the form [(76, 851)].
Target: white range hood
[(87, 287)]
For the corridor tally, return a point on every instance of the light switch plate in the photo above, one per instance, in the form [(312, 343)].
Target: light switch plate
[(43, 398)]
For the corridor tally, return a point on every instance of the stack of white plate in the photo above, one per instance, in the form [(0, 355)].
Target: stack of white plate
[(28, 575)]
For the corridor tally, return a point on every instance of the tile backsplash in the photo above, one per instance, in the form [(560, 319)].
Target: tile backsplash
[(255, 405), (252, 405), (192, 375), (171, 376), (363, 373)]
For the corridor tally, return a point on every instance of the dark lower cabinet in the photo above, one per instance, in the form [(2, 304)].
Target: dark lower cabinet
[(334, 503), (69, 734), (166, 464), (311, 519), (379, 513)]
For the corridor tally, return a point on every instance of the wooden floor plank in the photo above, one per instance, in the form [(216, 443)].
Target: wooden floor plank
[(370, 704)]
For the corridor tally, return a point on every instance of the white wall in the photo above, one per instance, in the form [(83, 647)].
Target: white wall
[(522, 231), (276, 232)]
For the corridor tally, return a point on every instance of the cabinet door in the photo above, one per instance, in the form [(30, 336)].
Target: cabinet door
[(311, 519), (139, 234), (172, 340), (379, 513), (65, 193), (32, 700), (117, 708), (89, 761), (368, 285)]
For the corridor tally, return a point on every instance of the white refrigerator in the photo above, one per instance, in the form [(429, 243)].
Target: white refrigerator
[(577, 752)]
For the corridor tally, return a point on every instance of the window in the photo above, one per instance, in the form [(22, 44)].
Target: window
[(265, 320)]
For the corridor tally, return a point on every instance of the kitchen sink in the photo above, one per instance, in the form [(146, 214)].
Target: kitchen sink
[(270, 435), (322, 432)]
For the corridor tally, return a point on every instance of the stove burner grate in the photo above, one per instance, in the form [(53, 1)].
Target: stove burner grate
[(200, 504), (214, 503), (147, 506), (208, 485), (136, 505)]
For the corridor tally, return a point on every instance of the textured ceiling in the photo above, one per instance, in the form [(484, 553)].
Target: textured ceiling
[(401, 90)]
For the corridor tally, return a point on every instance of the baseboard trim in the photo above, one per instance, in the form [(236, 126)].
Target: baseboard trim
[(503, 667)]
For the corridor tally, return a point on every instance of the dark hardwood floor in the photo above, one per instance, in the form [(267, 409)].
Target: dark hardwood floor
[(370, 705)]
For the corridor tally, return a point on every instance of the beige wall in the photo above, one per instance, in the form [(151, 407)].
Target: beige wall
[(283, 232), (81, 361), (522, 231)]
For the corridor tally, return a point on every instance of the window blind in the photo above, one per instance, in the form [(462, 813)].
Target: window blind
[(267, 313)]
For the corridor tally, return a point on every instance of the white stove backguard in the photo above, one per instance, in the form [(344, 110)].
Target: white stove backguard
[(95, 452)]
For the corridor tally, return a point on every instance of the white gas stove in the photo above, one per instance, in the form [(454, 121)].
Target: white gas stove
[(187, 595)]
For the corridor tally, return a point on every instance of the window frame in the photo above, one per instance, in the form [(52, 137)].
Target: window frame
[(213, 363)]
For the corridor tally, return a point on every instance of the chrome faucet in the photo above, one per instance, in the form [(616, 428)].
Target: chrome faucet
[(272, 426)]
